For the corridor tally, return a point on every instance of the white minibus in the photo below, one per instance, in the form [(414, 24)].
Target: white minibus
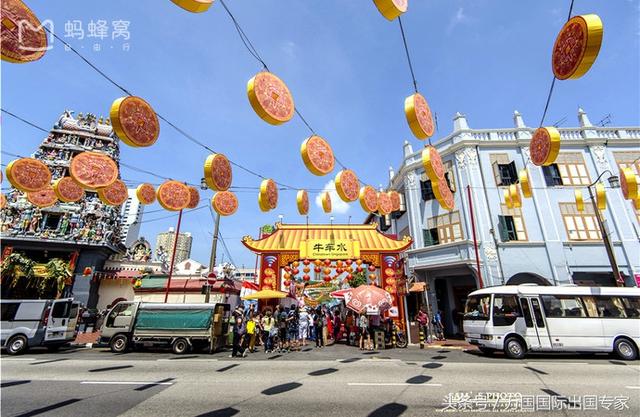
[(525, 318)]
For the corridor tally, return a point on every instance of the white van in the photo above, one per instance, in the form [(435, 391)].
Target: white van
[(31, 323)]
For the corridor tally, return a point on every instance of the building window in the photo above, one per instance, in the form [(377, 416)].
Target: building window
[(552, 175), (628, 159), (449, 176), (504, 170), (426, 190), (511, 225), (443, 229), (570, 168), (580, 226)]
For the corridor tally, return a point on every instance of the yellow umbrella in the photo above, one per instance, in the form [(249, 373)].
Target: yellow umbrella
[(265, 295)]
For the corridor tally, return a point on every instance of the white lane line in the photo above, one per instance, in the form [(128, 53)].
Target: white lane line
[(632, 387), (557, 363), (125, 383), (389, 384), (186, 360)]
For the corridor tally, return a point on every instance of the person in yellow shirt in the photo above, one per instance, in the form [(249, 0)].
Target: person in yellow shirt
[(268, 330)]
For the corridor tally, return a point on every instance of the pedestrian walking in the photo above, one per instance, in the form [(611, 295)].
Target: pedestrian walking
[(251, 331), (363, 326), (268, 325), (318, 322), (438, 326), (239, 330), (303, 326)]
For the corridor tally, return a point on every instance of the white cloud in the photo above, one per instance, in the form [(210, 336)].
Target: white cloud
[(289, 49), (457, 19), (337, 205)]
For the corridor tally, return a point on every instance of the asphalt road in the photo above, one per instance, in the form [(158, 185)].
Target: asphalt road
[(334, 381)]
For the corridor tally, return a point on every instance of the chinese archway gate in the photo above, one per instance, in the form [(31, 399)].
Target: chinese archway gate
[(321, 258)]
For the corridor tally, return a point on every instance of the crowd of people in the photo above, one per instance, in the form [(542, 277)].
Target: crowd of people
[(430, 325)]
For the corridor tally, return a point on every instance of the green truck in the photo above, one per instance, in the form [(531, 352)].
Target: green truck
[(182, 327)]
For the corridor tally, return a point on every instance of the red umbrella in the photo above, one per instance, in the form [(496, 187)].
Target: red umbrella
[(339, 293), (368, 298)]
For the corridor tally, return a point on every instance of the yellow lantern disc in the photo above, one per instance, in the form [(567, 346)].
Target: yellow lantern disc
[(418, 114), (67, 190), (217, 172), (443, 194), (270, 98), (514, 193), (577, 46), (544, 146), (385, 206), (628, 183), (326, 202), (23, 36), (317, 155), (93, 170), (394, 196), (3, 201), (368, 199), (391, 9), (173, 195), (347, 185), (28, 174), (579, 200), (432, 164), (134, 121), (525, 184), (115, 194), (194, 6), (225, 203), (507, 198), (268, 197), (146, 194), (601, 197), (43, 198), (636, 203), (302, 200)]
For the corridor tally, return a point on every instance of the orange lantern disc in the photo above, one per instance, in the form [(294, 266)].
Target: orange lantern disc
[(67, 190), (3, 201), (327, 271), (115, 194), (326, 202), (28, 174), (194, 197), (93, 170), (544, 146), (173, 195), (507, 198), (514, 193), (347, 185), (577, 46), (385, 206), (225, 203), (579, 200), (302, 200), (134, 121), (317, 155), (268, 197), (217, 172), (394, 196), (23, 36), (432, 164), (43, 198), (369, 199), (443, 194), (270, 98), (146, 194), (419, 116), (391, 9), (525, 184), (601, 198), (628, 183), (194, 6)]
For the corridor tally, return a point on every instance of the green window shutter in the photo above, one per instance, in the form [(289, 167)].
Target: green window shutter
[(496, 172), (503, 228), (428, 238)]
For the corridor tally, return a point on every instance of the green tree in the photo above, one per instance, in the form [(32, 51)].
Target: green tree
[(359, 278)]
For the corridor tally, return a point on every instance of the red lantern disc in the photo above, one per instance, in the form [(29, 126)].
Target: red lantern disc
[(93, 170), (23, 36), (225, 203), (28, 174), (43, 198), (306, 277), (115, 194), (173, 195), (317, 269)]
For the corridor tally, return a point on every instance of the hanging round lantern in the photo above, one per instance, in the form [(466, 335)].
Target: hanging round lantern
[(194, 197), (443, 194), (306, 269), (368, 199), (317, 155), (287, 268), (514, 193), (306, 277), (327, 278), (287, 276), (317, 269), (384, 204), (268, 197), (28, 174), (391, 9), (348, 262), (217, 172), (349, 277), (134, 121), (146, 194), (601, 198), (544, 146), (67, 190), (389, 272), (339, 271), (507, 198), (295, 264), (394, 196), (359, 268), (194, 6), (628, 183), (358, 262), (87, 271), (419, 117), (23, 36), (347, 185), (432, 164), (173, 195), (93, 170), (306, 261), (270, 98), (295, 271), (327, 271), (267, 280), (339, 263), (525, 184), (326, 202), (327, 262), (287, 283), (115, 194), (390, 281), (579, 200), (225, 203), (349, 269), (372, 277), (577, 46), (3, 201), (371, 268), (317, 262), (43, 198), (389, 289)]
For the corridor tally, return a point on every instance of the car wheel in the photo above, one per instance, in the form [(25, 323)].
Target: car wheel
[(17, 345), (625, 349), (486, 351), (119, 343), (514, 348), (180, 346)]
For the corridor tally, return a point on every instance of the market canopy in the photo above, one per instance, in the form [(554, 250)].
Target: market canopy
[(312, 241)]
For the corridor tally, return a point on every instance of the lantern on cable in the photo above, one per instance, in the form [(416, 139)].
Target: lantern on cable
[(115, 194), (317, 269), (443, 194), (268, 196), (418, 114), (270, 98), (134, 121), (347, 185), (544, 146), (339, 271), (628, 183), (514, 193), (348, 262), (601, 197), (391, 9), (225, 203), (317, 155), (507, 198), (368, 197), (28, 174), (384, 204), (287, 268), (67, 190), (302, 201), (43, 198), (23, 36), (349, 277), (93, 170), (87, 271), (306, 278), (146, 194), (306, 262), (173, 195), (339, 263), (295, 264), (318, 262), (327, 271), (358, 262), (327, 278), (295, 271), (577, 46), (579, 200), (327, 262), (217, 172), (326, 202), (371, 268), (525, 183), (306, 269), (394, 196), (194, 6)]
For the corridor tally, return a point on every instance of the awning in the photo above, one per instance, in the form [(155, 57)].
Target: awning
[(418, 287)]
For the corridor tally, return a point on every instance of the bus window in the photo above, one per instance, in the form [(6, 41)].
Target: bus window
[(610, 307), (505, 309), (563, 306), (631, 306), (527, 312), (477, 308), (537, 313), (590, 305)]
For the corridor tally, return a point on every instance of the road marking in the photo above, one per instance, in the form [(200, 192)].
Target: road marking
[(389, 384), (187, 360), (632, 387), (18, 359), (557, 363), (125, 383)]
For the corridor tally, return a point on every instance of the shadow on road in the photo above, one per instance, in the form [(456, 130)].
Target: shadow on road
[(279, 389), (389, 410)]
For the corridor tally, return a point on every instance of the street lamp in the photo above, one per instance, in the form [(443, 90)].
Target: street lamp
[(614, 182)]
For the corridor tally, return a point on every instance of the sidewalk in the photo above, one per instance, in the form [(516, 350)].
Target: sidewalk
[(449, 343), (84, 338)]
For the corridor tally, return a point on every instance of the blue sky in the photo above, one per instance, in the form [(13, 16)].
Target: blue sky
[(346, 68)]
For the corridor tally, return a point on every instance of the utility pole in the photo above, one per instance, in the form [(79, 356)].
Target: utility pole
[(212, 258)]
